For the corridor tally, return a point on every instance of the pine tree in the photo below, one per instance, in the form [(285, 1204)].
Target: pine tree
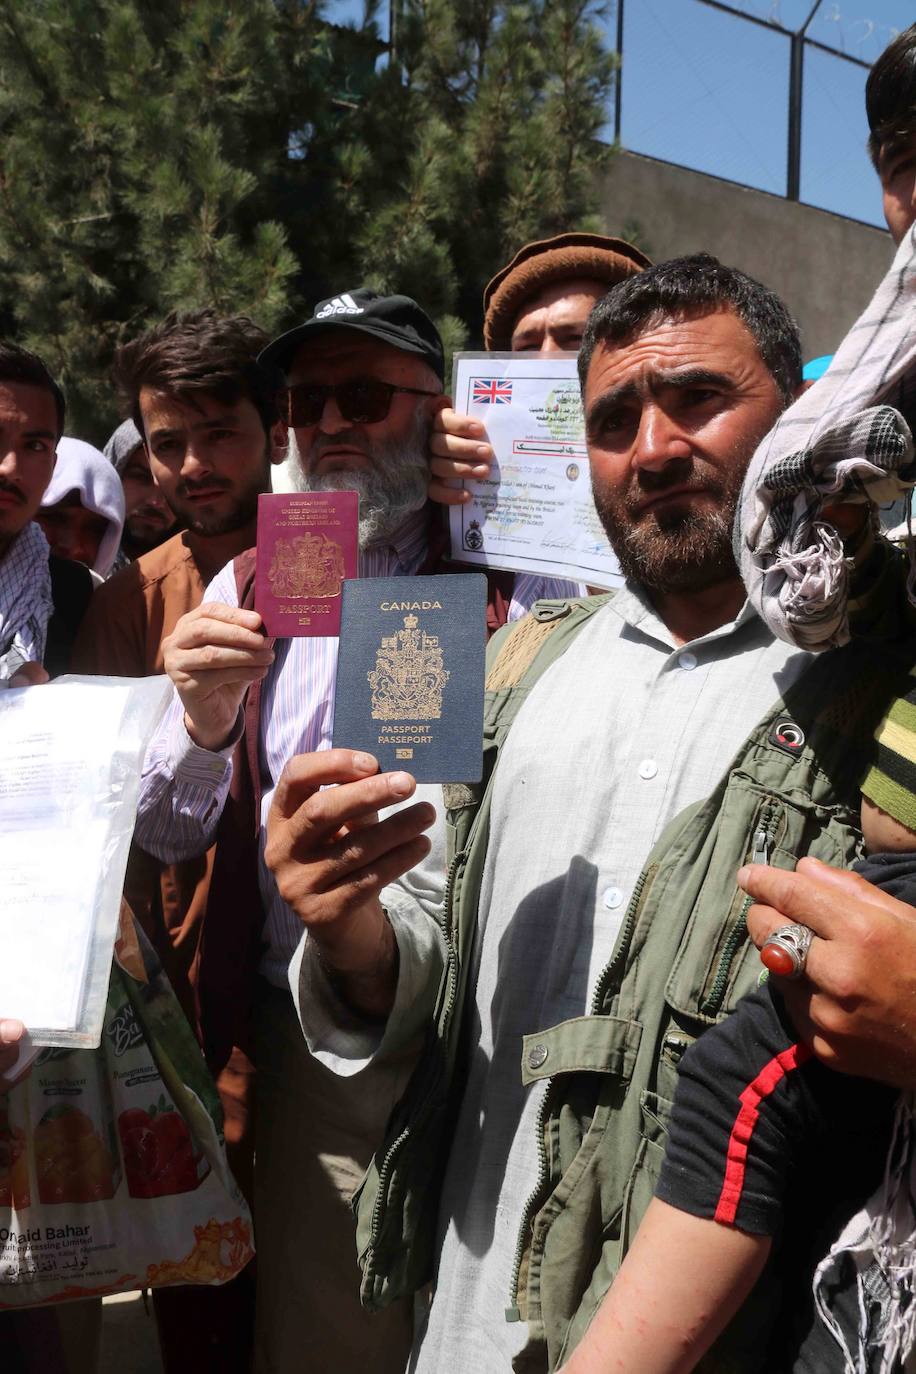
[(257, 156), (133, 141), (490, 113)]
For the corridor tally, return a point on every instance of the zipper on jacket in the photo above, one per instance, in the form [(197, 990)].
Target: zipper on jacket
[(381, 1191), (761, 848), (513, 1313)]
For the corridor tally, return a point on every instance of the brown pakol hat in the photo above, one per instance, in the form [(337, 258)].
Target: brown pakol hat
[(540, 264)]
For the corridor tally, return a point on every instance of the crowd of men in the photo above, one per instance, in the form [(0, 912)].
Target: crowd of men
[(492, 1028)]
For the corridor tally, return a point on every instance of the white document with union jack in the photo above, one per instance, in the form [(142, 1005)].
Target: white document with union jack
[(534, 513)]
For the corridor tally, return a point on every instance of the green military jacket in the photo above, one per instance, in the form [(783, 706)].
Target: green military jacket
[(681, 962)]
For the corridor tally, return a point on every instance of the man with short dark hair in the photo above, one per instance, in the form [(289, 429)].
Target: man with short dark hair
[(890, 103), (684, 369), (42, 598), (207, 411), (365, 375)]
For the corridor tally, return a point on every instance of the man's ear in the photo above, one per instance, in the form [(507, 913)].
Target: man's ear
[(279, 441)]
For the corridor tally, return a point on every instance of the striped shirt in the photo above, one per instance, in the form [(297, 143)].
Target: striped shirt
[(184, 788)]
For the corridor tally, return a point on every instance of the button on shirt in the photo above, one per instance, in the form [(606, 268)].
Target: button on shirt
[(183, 788), (616, 738)]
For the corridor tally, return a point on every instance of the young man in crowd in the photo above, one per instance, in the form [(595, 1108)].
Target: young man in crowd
[(207, 410), (890, 104), (42, 598), (364, 384), (148, 518)]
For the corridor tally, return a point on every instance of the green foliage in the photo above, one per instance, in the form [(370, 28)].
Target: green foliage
[(257, 157)]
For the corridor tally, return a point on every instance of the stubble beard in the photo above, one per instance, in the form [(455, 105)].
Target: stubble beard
[(393, 489), (678, 549), (242, 512)]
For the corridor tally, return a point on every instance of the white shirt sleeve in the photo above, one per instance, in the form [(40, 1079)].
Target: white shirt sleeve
[(183, 788)]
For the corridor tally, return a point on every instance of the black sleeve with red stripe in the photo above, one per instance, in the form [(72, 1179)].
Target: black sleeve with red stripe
[(749, 1096)]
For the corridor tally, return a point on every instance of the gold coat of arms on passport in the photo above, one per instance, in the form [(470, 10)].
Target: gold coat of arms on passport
[(409, 676), (306, 565)]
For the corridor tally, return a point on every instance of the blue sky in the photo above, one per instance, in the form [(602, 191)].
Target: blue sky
[(710, 91)]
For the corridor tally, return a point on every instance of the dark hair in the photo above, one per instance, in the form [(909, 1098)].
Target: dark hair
[(698, 285), (19, 365), (200, 353), (890, 94)]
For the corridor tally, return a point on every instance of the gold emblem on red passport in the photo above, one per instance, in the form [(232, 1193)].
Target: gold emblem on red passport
[(306, 565), (409, 676)]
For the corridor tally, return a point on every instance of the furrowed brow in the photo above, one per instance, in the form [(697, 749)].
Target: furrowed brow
[(686, 378), (39, 434)]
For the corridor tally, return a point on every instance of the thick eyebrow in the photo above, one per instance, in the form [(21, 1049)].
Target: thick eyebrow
[(40, 434), (210, 422), (683, 379)]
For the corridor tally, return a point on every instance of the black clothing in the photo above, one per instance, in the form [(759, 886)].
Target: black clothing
[(766, 1138), (71, 588)]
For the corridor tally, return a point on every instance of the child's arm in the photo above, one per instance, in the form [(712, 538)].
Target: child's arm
[(682, 1281)]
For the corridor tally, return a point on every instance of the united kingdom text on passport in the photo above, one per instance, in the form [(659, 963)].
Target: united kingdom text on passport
[(307, 545), (410, 674)]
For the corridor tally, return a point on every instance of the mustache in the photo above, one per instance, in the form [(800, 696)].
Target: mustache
[(211, 484), (346, 438), (12, 490), (682, 475)]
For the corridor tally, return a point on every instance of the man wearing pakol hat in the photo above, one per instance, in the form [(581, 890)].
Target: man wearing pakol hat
[(537, 303), (365, 378)]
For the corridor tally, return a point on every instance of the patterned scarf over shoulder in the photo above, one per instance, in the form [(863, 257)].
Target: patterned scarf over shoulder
[(25, 601), (846, 439)]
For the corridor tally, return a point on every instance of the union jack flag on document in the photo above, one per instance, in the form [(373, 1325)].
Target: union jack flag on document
[(492, 391)]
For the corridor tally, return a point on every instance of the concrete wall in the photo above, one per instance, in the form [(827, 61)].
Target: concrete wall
[(824, 267)]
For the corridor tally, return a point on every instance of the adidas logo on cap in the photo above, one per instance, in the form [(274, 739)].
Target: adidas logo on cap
[(340, 305)]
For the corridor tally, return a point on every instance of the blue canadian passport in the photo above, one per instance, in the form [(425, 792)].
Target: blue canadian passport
[(410, 673)]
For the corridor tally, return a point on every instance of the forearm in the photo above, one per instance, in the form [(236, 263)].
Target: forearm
[(362, 972), (682, 1281), (345, 1042)]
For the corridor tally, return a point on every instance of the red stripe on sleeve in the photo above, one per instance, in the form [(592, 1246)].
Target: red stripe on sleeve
[(752, 1099)]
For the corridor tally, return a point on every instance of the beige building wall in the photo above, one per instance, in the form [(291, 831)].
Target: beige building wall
[(824, 267)]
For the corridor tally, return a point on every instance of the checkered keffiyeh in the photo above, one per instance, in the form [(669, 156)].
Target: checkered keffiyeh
[(845, 439), (25, 601)]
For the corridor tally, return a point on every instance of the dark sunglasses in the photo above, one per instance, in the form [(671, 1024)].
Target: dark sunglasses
[(361, 400)]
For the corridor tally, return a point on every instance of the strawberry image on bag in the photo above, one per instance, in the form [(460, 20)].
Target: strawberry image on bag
[(113, 1170)]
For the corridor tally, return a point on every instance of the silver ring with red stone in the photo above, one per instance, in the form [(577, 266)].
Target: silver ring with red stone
[(786, 950)]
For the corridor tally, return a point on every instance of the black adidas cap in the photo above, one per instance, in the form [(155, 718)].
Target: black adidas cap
[(395, 320)]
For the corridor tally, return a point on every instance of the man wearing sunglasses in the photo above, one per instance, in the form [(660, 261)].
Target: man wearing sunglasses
[(364, 381)]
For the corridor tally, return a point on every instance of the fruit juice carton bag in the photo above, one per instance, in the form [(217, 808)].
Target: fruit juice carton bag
[(113, 1171)]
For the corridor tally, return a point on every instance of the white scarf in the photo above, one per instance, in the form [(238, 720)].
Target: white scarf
[(25, 601), (842, 440)]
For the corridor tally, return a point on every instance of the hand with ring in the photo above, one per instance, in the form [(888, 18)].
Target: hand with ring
[(853, 993), (786, 950)]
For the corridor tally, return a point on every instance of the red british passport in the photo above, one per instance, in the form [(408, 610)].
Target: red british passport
[(307, 546)]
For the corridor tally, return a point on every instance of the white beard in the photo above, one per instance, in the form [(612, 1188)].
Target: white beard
[(390, 491)]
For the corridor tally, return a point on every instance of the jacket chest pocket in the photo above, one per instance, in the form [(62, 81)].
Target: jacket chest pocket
[(716, 963)]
